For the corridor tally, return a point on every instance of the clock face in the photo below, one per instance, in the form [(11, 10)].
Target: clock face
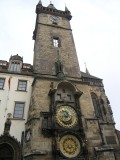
[(66, 116), (54, 19), (70, 146)]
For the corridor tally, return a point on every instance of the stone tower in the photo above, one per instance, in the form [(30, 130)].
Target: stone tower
[(69, 116)]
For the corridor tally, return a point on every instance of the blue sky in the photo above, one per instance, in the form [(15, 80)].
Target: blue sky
[(96, 31)]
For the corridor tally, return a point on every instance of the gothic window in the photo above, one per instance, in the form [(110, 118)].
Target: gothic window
[(19, 110), (22, 85), (56, 42), (15, 67), (96, 105), (2, 81)]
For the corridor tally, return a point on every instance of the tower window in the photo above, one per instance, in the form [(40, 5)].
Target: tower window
[(56, 42), (2, 81), (19, 110), (22, 85)]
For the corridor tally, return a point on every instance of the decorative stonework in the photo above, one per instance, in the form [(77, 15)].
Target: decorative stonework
[(7, 140)]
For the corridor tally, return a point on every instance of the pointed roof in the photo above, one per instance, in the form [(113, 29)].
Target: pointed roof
[(51, 6), (66, 9), (16, 57), (40, 2)]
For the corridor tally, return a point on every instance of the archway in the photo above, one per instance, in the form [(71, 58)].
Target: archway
[(10, 148), (6, 152)]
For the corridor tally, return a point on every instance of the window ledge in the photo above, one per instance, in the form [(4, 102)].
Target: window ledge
[(20, 91), (20, 119)]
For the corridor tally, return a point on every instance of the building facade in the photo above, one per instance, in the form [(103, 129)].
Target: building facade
[(16, 80), (67, 114)]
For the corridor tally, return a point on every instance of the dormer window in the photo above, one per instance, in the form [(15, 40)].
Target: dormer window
[(15, 67), (3, 63), (15, 63)]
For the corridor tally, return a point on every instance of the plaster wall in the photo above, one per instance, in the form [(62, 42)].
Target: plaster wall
[(8, 99)]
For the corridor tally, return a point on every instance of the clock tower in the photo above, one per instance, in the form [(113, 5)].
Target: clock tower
[(67, 106), (54, 42)]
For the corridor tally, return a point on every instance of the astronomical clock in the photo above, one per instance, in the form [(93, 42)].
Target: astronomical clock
[(65, 121)]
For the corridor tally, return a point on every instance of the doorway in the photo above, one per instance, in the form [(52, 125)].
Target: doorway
[(6, 152)]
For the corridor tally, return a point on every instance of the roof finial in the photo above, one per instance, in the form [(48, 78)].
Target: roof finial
[(66, 9), (51, 5), (40, 2), (86, 69)]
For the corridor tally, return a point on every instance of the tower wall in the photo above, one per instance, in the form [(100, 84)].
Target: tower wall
[(45, 54)]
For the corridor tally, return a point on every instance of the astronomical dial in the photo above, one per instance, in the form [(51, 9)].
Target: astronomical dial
[(70, 146), (66, 116)]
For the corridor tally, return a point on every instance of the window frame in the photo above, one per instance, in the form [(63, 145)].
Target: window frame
[(56, 42), (18, 87), (2, 84), (16, 117)]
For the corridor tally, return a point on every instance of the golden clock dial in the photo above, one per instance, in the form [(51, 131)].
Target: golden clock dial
[(70, 146), (66, 116)]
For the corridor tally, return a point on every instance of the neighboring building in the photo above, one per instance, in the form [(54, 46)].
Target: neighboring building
[(16, 80), (69, 116)]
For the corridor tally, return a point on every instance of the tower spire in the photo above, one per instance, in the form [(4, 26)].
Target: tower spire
[(86, 70)]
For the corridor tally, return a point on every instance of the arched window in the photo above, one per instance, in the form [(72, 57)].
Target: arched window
[(96, 105)]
